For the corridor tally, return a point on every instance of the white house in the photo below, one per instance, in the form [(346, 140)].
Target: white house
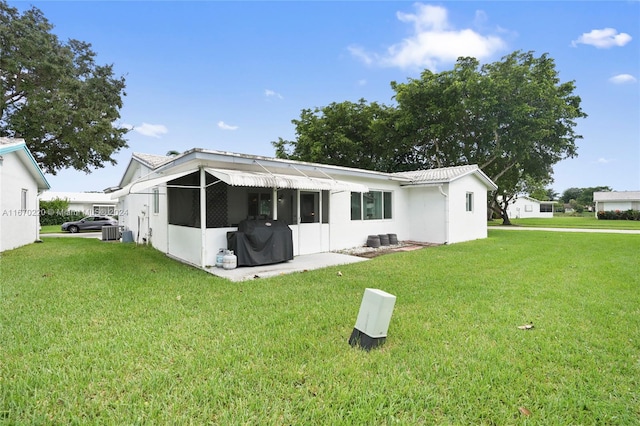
[(526, 207), (616, 200), (185, 205), (87, 203), (21, 181)]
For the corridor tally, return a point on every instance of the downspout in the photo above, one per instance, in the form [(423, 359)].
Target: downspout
[(203, 217), (446, 214)]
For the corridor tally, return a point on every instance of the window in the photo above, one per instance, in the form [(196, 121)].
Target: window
[(528, 208), (260, 205), (103, 209), (387, 205), (356, 206), (309, 203), (546, 208), (156, 200), (469, 203), (371, 205), (23, 199)]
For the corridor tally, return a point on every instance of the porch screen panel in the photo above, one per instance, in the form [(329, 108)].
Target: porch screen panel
[(217, 205), (184, 203)]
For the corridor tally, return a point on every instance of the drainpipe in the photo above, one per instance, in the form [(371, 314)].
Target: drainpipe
[(203, 218), (446, 214)]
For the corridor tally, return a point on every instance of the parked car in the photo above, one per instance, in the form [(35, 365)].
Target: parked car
[(89, 223)]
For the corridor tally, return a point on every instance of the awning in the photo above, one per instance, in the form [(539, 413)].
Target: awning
[(145, 183), (280, 181)]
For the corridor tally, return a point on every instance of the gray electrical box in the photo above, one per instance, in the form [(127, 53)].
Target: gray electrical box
[(373, 319)]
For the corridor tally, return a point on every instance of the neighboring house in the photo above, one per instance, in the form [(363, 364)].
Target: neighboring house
[(21, 181), (86, 203), (184, 205), (616, 200), (525, 207)]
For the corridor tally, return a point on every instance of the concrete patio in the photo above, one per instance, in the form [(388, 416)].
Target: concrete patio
[(298, 264)]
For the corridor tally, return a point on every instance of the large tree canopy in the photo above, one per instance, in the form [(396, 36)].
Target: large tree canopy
[(55, 96), (345, 134), (514, 118)]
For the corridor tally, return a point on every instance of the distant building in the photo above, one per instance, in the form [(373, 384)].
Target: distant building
[(526, 207), (86, 203), (616, 200)]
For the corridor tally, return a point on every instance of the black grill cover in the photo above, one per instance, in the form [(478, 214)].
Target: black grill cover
[(261, 242)]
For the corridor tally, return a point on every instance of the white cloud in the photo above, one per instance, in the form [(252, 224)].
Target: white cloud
[(603, 160), (622, 79), (153, 130), (603, 39), (434, 41), (225, 126), (271, 94)]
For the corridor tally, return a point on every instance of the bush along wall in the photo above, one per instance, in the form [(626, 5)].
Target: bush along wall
[(619, 215)]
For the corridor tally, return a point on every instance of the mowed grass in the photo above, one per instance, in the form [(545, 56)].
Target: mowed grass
[(109, 333), (585, 222)]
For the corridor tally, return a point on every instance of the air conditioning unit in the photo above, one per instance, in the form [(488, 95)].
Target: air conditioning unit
[(110, 233)]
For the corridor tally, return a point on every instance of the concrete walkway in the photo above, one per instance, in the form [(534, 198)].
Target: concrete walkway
[(302, 263), (600, 231)]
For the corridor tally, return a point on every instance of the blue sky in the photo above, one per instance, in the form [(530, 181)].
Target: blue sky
[(231, 76)]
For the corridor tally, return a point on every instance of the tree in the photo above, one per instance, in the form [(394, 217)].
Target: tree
[(513, 118), (582, 196), (55, 96), (344, 134)]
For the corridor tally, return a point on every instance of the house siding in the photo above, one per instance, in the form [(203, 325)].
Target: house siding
[(18, 227)]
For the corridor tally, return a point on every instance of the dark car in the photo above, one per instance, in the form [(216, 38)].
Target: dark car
[(89, 223)]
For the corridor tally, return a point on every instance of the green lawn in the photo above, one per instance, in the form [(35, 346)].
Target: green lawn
[(587, 222), (108, 333)]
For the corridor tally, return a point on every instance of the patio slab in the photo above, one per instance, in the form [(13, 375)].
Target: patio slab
[(298, 264)]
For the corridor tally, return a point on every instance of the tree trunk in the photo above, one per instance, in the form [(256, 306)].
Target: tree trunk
[(505, 216)]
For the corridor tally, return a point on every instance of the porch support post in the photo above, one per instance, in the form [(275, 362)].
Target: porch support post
[(203, 218), (274, 203)]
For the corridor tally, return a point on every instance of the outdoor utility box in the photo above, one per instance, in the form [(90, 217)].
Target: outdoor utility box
[(373, 319), (110, 233)]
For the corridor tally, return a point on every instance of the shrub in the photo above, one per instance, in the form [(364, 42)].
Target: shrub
[(55, 212), (619, 215)]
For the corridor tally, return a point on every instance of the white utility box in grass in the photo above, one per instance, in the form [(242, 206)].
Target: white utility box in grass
[(373, 319)]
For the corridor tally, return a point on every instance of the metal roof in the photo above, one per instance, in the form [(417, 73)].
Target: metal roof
[(616, 196), (444, 175), (280, 181)]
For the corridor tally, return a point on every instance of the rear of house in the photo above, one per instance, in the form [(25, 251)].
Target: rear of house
[(606, 201), (186, 205), (528, 207), (21, 181)]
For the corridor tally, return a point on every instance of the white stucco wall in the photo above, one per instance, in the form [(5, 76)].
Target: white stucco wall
[(18, 227), (464, 225), (346, 233), (426, 209), (615, 205)]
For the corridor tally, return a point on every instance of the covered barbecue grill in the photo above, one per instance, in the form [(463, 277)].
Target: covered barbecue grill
[(261, 242)]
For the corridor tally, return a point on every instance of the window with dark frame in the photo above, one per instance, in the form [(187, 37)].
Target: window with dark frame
[(469, 201), (371, 205)]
